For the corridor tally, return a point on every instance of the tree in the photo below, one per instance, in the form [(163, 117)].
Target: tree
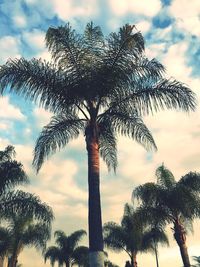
[(128, 237), (172, 202), (17, 201), (22, 231), (100, 87), (67, 250), (152, 237)]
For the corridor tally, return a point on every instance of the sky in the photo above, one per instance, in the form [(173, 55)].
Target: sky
[(171, 29)]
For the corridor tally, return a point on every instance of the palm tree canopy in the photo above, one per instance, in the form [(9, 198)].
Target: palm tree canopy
[(93, 82), (67, 249), (128, 236), (169, 198)]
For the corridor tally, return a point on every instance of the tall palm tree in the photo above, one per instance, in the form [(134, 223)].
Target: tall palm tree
[(128, 236), (67, 252), (22, 231), (172, 202), (13, 201), (100, 87)]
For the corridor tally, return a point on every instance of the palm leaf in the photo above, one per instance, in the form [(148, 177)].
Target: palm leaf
[(55, 136), (165, 177), (107, 144)]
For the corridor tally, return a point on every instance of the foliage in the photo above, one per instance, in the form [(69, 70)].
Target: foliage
[(17, 201), (22, 231), (67, 250), (108, 81)]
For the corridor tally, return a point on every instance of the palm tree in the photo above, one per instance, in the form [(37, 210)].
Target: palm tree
[(100, 87), (128, 236), (152, 237), (172, 202), (17, 201), (22, 231), (67, 250)]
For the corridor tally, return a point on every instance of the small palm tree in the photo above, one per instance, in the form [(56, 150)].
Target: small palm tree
[(152, 238), (128, 236), (22, 231), (100, 87), (172, 202), (67, 251)]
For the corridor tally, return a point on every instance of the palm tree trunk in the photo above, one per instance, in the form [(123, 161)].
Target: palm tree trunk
[(134, 259), (156, 254), (13, 261), (96, 254), (180, 237)]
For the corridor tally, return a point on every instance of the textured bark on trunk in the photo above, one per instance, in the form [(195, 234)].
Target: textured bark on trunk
[(180, 237), (134, 259), (94, 202)]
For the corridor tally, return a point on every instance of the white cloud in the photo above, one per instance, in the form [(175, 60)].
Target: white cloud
[(175, 61), (35, 39), (20, 21), (9, 47), (8, 111), (143, 26), (187, 15), (68, 9), (147, 8), (42, 116)]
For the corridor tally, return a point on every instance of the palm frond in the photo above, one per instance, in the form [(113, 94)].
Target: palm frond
[(36, 235), (11, 174), (132, 126), (55, 136), (107, 144), (75, 237), (150, 97), (165, 177), (39, 81), (7, 154), (147, 193), (53, 254), (191, 180), (25, 203), (66, 48), (114, 236)]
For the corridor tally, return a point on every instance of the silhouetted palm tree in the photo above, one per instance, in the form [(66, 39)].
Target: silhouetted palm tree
[(67, 252), (172, 202), (152, 237), (128, 237), (22, 232), (100, 87)]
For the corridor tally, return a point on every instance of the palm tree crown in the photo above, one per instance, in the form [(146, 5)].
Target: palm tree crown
[(172, 202), (129, 236), (100, 87)]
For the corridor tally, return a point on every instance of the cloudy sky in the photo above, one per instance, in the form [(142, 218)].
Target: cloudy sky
[(172, 33)]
